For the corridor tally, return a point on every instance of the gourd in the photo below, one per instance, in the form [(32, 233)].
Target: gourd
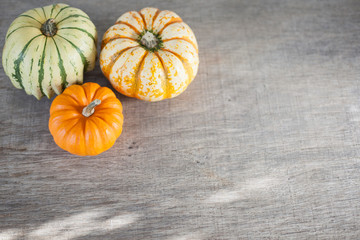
[(150, 54), (49, 48), (86, 120)]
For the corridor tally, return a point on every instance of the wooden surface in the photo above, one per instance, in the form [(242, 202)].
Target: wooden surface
[(264, 144)]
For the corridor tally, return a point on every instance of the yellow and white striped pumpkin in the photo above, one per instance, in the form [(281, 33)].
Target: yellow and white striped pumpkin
[(49, 48), (150, 54)]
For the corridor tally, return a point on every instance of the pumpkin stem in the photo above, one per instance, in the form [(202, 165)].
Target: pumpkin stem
[(49, 28), (89, 109), (150, 40)]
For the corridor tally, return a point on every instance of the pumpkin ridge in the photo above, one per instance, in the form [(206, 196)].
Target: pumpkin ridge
[(103, 43), (103, 96), (68, 135), (35, 10), (90, 89), (18, 29), (113, 105), (99, 117), (95, 133), (52, 10), (107, 99), (80, 98), (66, 103), (93, 121), (67, 6), (74, 98), (25, 15), (185, 63), (72, 101), (129, 25), (138, 73), (167, 93), (83, 58), (185, 39), (64, 119), (62, 115), (176, 20), (71, 16), (143, 19), (44, 12), (132, 72), (83, 132), (82, 30), (17, 74), (58, 127), (111, 64), (118, 117), (154, 18), (7, 58), (63, 74), (41, 70)]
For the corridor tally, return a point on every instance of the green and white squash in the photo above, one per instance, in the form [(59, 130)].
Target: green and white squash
[(49, 48)]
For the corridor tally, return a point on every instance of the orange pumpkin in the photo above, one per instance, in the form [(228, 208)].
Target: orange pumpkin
[(86, 120)]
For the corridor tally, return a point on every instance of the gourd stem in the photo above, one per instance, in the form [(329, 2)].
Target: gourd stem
[(89, 109), (149, 40), (49, 28)]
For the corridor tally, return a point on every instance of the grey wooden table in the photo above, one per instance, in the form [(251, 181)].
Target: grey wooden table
[(264, 144)]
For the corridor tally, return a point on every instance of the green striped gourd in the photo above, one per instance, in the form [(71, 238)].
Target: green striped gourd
[(49, 48)]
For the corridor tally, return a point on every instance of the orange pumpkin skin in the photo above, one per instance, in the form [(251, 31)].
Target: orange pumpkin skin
[(81, 135)]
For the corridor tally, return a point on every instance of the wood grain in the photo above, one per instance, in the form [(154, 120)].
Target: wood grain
[(264, 144)]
